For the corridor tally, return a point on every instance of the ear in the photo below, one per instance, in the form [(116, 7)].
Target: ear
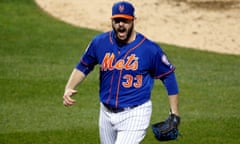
[(135, 20)]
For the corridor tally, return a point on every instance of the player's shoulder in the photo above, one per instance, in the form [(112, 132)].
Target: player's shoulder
[(101, 36), (151, 45)]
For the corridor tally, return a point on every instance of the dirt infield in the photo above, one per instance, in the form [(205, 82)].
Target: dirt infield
[(212, 25)]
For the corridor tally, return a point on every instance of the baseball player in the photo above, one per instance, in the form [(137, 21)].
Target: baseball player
[(129, 63)]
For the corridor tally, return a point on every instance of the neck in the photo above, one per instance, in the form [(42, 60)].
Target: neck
[(132, 37)]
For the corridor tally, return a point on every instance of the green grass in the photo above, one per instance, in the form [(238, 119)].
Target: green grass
[(38, 54)]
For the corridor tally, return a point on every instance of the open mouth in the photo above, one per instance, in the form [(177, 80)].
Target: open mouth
[(122, 32), (121, 29)]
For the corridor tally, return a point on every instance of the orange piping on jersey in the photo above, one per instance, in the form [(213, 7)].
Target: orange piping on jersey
[(110, 37), (109, 96), (162, 75), (120, 75), (84, 63)]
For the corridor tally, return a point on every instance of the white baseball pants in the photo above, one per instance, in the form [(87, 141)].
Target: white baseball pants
[(127, 127)]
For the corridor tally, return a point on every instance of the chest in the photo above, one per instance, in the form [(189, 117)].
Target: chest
[(123, 58)]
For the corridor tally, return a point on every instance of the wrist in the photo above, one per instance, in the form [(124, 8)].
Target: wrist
[(175, 112)]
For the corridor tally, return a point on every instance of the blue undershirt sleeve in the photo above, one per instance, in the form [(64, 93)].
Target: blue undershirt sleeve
[(170, 84)]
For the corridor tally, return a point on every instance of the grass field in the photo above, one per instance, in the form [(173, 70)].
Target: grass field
[(38, 54)]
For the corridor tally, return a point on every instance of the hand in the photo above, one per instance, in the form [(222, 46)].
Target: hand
[(174, 120), (67, 100), (168, 129)]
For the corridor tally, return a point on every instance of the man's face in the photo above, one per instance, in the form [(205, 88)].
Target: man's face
[(123, 29)]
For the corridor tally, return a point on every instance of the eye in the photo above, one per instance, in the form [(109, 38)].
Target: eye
[(118, 20)]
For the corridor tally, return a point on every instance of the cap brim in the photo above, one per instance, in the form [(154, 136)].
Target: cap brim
[(122, 16)]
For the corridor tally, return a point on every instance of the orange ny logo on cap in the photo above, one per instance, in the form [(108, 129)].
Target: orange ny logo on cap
[(121, 8)]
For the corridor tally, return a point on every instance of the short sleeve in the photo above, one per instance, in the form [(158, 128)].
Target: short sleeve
[(88, 60), (161, 66)]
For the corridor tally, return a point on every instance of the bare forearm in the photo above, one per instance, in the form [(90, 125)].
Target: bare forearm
[(173, 101), (75, 78)]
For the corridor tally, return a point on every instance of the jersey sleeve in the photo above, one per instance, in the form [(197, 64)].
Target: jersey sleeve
[(88, 60), (164, 70), (161, 66)]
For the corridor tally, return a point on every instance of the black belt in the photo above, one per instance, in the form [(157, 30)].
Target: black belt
[(117, 110)]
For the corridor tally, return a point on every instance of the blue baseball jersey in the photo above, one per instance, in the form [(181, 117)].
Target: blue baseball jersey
[(127, 72)]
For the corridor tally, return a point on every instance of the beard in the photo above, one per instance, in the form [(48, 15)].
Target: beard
[(123, 34)]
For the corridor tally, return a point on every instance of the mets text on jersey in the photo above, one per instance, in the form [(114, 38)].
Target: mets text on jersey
[(131, 63)]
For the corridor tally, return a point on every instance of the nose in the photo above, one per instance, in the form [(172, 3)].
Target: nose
[(121, 23)]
